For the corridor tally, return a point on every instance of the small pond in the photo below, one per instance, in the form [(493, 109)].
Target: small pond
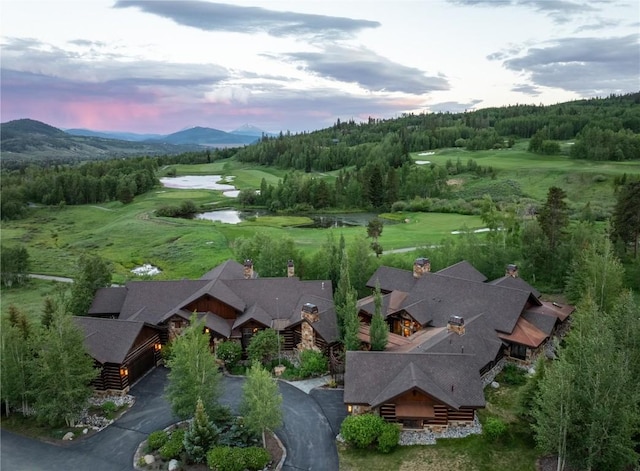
[(146, 269), (200, 182), (232, 216)]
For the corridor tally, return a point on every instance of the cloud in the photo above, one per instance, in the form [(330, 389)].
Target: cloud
[(559, 10), (527, 89), (369, 70), (601, 24), (232, 18), (453, 106), (588, 66)]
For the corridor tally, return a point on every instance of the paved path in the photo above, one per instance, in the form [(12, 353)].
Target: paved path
[(61, 279), (308, 433)]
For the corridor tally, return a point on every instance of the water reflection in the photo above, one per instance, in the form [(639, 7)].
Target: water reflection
[(197, 182)]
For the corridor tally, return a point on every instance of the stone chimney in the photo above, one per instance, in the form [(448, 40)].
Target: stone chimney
[(290, 269), (512, 271), (248, 269), (309, 313), (307, 334), (421, 266), (456, 324)]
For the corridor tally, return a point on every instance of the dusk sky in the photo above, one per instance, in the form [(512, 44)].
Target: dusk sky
[(163, 66)]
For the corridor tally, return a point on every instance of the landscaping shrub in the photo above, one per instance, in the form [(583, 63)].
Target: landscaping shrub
[(263, 346), (157, 439), (389, 438), (230, 352), (237, 435), (225, 458), (494, 429), (362, 431), (513, 375), (201, 435), (174, 447), (279, 361), (255, 458), (312, 363), (109, 408)]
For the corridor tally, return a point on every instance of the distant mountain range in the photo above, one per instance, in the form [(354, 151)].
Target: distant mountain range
[(245, 134), (27, 138)]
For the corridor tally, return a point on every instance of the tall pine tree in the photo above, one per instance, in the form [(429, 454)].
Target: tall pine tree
[(379, 329)]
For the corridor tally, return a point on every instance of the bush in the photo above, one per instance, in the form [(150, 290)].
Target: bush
[(312, 363), (109, 408), (230, 352), (362, 431), (263, 346), (157, 439), (513, 375), (389, 438), (275, 362), (255, 458), (174, 447), (494, 429), (225, 458)]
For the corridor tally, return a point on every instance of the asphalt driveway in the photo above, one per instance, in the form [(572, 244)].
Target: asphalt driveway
[(308, 433)]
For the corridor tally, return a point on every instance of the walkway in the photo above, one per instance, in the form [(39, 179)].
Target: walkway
[(310, 425)]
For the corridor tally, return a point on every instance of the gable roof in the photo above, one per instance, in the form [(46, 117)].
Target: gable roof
[(525, 333), (259, 299), (463, 270), (108, 340), (516, 283), (449, 378)]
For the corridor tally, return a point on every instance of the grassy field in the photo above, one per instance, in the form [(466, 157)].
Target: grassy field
[(583, 180), (514, 452)]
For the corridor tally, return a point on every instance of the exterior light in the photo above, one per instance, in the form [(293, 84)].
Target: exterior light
[(124, 371), (157, 347), (206, 330), (255, 329), (349, 408)]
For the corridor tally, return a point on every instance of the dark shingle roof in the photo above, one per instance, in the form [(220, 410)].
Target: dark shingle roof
[(229, 270), (544, 322), (450, 378), (515, 283), (463, 270), (108, 301), (108, 340)]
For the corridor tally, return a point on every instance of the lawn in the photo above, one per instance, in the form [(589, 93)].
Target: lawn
[(514, 452)]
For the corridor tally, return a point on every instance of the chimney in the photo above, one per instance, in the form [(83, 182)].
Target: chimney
[(248, 269), (309, 312), (420, 266), (456, 324), (512, 271), (290, 269)]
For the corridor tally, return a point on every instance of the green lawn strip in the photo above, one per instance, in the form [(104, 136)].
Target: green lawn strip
[(30, 297), (28, 426)]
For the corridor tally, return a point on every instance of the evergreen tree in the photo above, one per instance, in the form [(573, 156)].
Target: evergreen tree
[(379, 329), (553, 217), (340, 296), (193, 372), (62, 373), (626, 215), (351, 322), (201, 435), (93, 272), (48, 311), (261, 401)]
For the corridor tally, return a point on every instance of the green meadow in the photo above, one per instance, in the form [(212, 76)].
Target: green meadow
[(131, 235)]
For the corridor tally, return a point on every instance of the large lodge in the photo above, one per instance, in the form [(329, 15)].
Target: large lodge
[(450, 331)]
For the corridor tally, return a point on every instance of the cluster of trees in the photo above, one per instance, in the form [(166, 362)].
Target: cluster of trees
[(585, 406), (31, 355), (14, 266), (92, 182)]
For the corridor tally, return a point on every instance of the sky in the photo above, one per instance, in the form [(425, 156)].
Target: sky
[(163, 66)]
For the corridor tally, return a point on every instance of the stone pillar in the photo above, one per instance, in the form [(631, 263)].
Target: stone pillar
[(309, 315), (290, 269), (248, 269)]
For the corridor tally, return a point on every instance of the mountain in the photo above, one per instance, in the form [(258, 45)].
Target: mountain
[(122, 136), (29, 139), (207, 137), (249, 130)]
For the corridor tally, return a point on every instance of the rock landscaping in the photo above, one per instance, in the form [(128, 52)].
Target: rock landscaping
[(426, 437)]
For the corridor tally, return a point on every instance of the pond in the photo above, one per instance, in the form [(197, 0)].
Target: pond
[(232, 216), (201, 182)]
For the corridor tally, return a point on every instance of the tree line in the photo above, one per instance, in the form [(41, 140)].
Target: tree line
[(89, 183)]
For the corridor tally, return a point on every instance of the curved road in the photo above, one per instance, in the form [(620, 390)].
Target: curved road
[(311, 422)]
